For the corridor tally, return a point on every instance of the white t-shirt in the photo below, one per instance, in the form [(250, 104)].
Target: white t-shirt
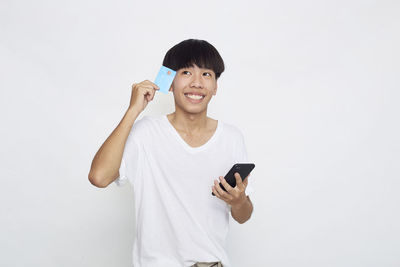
[(178, 221)]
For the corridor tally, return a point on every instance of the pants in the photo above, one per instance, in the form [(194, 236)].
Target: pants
[(208, 264)]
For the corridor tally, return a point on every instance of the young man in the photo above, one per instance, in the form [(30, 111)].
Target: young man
[(175, 162)]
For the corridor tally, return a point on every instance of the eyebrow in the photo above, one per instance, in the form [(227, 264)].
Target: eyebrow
[(204, 69)]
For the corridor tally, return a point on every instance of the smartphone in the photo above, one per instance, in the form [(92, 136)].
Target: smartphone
[(243, 169)]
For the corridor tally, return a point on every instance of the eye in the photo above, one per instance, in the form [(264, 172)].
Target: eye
[(208, 73), (185, 71)]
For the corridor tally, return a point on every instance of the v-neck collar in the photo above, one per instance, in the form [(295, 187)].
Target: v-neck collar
[(186, 145)]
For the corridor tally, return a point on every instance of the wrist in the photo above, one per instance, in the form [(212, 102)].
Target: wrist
[(133, 112), (239, 205), (129, 118)]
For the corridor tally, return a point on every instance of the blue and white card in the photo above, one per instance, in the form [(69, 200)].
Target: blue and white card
[(164, 79)]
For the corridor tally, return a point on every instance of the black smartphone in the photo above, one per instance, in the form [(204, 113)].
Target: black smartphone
[(243, 169)]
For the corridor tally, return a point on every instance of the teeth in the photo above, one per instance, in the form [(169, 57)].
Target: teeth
[(194, 96)]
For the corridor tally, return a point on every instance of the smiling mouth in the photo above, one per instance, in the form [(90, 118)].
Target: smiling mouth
[(195, 97)]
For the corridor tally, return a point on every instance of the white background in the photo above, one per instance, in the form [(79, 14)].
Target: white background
[(313, 85)]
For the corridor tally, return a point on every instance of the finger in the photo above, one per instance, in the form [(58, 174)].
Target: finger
[(227, 186), (147, 87), (221, 192), (152, 93), (246, 181), (215, 192), (153, 85), (148, 92), (239, 182)]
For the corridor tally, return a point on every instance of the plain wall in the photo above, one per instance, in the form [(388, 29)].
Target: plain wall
[(313, 85)]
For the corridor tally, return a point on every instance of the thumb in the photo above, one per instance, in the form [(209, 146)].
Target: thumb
[(246, 181)]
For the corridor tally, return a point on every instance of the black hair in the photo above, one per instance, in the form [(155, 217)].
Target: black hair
[(192, 52)]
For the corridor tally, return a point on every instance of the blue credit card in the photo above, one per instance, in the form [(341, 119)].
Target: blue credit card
[(164, 79)]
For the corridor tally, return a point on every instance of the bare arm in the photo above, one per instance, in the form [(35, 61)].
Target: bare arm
[(105, 165), (242, 212)]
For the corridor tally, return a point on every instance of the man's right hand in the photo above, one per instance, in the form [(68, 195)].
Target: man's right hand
[(142, 94)]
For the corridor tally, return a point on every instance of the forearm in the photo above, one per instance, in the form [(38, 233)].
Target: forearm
[(242, 212), (106, 162)]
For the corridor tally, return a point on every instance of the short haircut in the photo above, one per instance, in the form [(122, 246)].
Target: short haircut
[(192, 52)]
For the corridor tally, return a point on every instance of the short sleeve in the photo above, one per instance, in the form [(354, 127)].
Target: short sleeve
[(131, 159), (242, 157)]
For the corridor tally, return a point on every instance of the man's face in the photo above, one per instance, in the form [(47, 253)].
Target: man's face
[(191, 82)]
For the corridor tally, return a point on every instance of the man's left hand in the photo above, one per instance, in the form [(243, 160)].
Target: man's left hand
[(233, 196)]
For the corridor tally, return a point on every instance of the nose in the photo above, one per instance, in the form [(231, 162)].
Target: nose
[(196, 81)]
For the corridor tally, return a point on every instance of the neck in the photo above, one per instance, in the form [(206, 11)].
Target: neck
[(189, 122)]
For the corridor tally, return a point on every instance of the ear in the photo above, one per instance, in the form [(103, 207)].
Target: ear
[(215, 90), (171, 88)]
